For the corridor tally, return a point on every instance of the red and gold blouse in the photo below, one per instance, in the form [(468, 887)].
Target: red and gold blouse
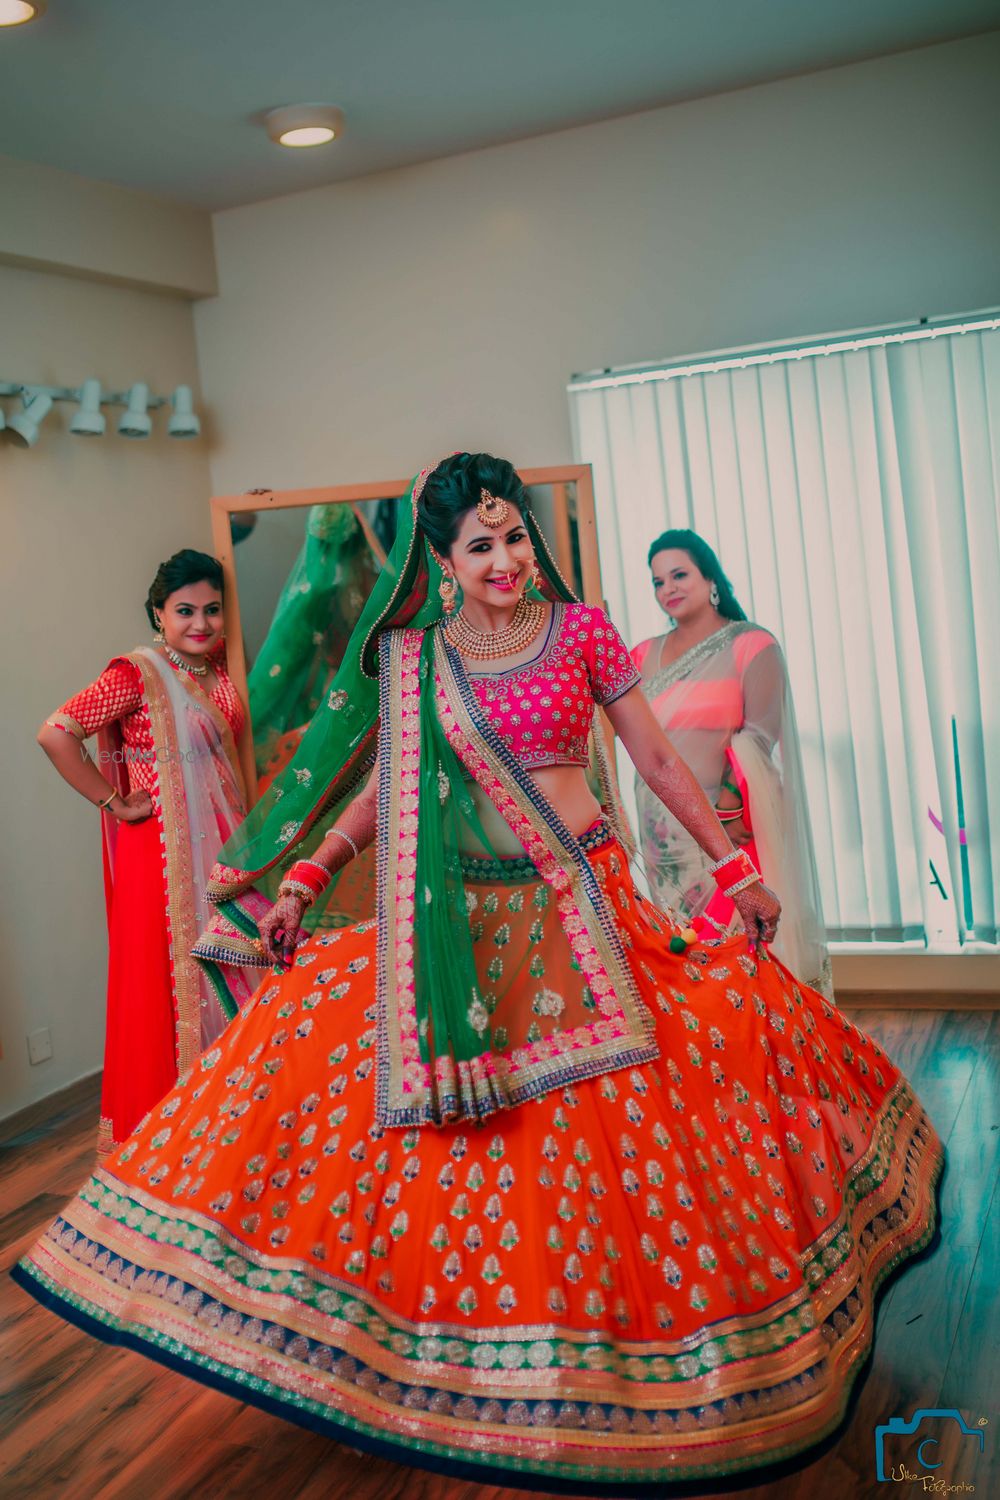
[(117, 696), (543, 710)]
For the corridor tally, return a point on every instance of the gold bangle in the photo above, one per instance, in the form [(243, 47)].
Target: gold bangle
[(339, 833), (108, 800)]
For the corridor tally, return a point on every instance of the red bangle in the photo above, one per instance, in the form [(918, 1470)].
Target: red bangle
[(306, 872), (737, 867)]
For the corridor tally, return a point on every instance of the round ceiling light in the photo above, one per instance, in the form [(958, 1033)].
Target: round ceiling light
[(16, 12), (304, 124)]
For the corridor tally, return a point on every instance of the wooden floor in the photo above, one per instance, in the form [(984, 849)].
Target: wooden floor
[(82, 1421)]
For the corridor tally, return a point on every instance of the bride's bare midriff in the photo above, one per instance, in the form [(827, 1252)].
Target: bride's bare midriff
[(564, 787)]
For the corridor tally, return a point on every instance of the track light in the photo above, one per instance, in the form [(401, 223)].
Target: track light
[(24, 424), (90, 399), (89, 420), (183, 423), (137, 423)]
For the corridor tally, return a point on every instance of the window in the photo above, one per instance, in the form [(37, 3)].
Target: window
[(851, 491)]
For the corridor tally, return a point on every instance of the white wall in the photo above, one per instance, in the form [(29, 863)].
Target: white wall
[(366, 328), (62, 222), (85, 524)]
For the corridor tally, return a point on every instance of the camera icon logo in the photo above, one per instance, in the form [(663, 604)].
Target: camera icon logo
[(899, 1426)]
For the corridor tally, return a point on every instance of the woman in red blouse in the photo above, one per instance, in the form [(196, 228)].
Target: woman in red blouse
[(168, 783)]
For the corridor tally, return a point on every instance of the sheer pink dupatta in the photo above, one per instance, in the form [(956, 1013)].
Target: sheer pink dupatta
[(199, 802), (726, 702)]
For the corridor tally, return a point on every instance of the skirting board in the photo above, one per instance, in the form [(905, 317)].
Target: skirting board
[(84, 1093), (970, 978)]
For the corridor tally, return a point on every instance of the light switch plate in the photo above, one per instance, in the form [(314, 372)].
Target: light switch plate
[(39, 1045)]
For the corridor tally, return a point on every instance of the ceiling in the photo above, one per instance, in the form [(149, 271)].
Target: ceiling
[(167, 97)]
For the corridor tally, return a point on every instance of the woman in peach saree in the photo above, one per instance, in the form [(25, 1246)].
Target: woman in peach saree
[(719, 689)]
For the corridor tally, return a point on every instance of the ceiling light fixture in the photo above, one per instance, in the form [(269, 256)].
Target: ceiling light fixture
[(17, 12), (305, 124)]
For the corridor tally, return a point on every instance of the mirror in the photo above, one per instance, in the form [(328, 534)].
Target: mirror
[(299, 565)]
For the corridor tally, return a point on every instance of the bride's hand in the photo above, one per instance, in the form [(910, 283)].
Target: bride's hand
[(279, 929), (760, 910)]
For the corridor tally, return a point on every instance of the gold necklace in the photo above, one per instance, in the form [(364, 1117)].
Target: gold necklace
[(185, 666), (486, 645)]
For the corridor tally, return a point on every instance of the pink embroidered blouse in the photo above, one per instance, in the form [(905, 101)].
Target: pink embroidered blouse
[(543, 710), (117, 695)]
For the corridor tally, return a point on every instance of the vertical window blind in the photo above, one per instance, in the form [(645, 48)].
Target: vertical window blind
[(852, 491)]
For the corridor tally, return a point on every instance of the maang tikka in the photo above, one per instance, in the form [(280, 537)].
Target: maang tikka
[(492, 510)]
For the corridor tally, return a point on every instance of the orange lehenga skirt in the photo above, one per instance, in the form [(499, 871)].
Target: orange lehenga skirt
[(666, 1272)]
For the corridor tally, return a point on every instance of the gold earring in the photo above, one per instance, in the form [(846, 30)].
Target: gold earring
[(448, 588), (536, 574), (158, 638)]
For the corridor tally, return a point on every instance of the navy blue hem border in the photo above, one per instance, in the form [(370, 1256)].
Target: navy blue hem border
[(491, 1474)]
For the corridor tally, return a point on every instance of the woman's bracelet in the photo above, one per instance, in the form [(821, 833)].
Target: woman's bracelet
[(338, 833), (307, 879), (735, 872), (726, 859), (302, 892), (729, 814), (108, 800)]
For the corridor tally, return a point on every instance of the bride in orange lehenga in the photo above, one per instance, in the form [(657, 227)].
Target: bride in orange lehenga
[(513, 1179)]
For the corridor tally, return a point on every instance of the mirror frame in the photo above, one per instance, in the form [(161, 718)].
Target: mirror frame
[(558, 477)]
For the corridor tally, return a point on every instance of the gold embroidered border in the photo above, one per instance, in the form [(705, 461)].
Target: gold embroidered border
[(183, 920), (403, 1077), (730, 1442), (69, 724)]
